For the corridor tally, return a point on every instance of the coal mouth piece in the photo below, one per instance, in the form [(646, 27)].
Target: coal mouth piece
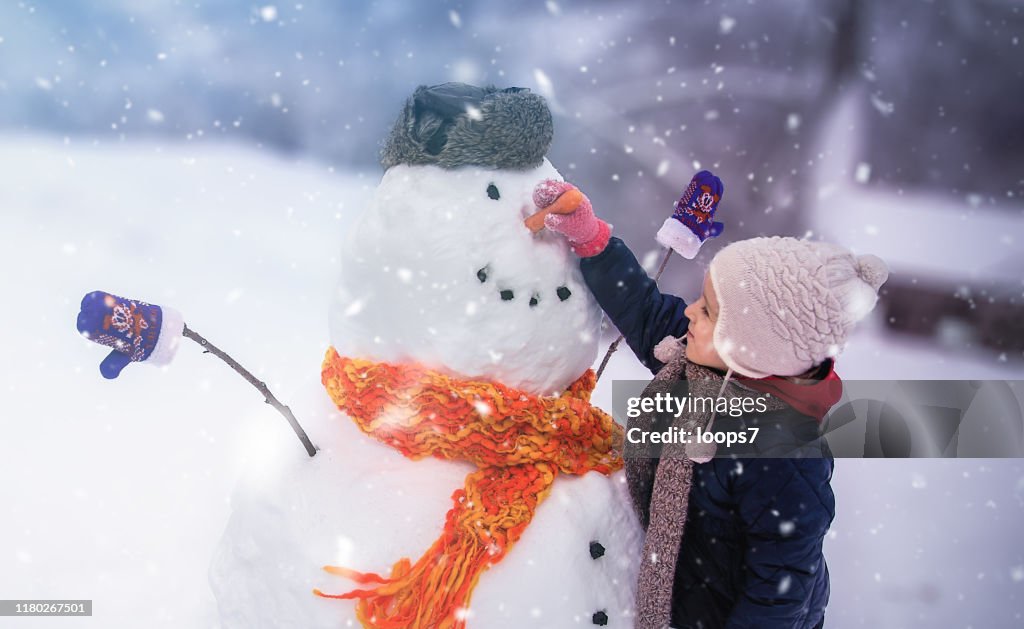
[(483, 274)]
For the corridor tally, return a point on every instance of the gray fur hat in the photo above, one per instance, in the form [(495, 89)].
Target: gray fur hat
[(455, 124)]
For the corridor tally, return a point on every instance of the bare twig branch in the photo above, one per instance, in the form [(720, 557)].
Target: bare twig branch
[(210, 348)]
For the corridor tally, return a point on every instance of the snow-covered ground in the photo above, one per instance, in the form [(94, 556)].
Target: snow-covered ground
[(118, 491)]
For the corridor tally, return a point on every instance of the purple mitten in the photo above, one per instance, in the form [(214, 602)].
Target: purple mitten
[(693, 221), (587, 234), (136, 331)]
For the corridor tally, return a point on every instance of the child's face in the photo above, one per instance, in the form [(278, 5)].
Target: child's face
[(703, 314)]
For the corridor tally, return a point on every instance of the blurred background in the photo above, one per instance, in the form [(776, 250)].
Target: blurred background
[(209, 156), (893, 127)]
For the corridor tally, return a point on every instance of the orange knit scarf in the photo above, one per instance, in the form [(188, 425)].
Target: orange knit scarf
[(519, 442)]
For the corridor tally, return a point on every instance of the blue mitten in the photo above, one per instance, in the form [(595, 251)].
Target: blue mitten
[(136, 331), (693, 221)]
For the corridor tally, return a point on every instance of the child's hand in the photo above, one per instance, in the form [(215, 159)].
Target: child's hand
[(693, 221), (587, 234)]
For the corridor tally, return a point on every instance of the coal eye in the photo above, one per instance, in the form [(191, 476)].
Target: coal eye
[(492, 191)]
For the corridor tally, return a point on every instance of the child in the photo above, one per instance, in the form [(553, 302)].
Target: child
[(750, 553)]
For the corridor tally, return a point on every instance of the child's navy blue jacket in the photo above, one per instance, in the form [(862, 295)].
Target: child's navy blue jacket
[(752, 548)]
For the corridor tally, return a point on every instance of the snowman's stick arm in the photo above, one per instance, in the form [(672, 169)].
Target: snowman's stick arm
[(259, 384), (615, 344)]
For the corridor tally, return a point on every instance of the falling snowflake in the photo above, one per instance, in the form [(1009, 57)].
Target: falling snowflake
[(784, 584), (354, 308), (544, 84), (268, 13), (863, 173), (483, 408), (883, 107), (650, 260)]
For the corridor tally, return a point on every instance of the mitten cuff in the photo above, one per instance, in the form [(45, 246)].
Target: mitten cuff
[(679, 237), (171, 327), (596, 244)]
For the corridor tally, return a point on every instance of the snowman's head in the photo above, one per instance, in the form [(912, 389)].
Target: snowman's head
[(441, 269)]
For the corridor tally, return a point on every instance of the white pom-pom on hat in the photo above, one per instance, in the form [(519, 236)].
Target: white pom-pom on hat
[(872, 270), (669, 349)]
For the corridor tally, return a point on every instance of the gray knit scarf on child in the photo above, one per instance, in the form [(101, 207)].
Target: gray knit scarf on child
[(660, 487)]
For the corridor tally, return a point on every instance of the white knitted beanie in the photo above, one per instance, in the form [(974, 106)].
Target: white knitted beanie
[(785, 305)]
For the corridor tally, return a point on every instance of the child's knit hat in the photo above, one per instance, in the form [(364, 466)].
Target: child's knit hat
[(785, 305)]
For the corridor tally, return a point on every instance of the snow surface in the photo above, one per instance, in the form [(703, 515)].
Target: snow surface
[(119, 491)]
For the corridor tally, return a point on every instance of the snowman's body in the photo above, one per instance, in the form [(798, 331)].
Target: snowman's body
[(440, 271)]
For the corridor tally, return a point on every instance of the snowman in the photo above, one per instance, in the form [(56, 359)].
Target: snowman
[(463, 478)]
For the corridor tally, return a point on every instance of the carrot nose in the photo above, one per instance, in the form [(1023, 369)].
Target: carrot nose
[(566, 203)]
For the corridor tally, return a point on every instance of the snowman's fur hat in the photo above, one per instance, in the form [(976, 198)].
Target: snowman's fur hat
[(454, 124)]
